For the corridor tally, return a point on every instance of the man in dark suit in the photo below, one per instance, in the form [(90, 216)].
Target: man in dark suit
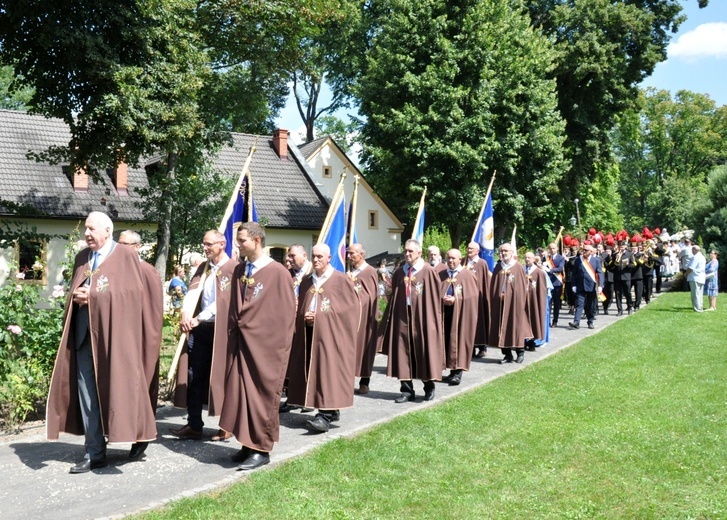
[(554, 265), (587, 285), (621, 264)]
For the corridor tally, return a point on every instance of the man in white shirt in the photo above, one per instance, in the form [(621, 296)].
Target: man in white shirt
[(695, 277)]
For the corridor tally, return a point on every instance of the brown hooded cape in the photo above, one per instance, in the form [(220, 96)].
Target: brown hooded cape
[(116, 325), (423, 356), (153, 312), (223, 290), (482, 273), (460, 343), (321, 372), (509, 325), (537, 301), (260, 335), (367, 286)]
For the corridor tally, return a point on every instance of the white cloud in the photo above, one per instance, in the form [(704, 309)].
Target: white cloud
[(706, 40)]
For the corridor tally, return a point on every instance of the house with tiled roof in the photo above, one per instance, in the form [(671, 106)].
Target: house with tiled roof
[(378, 229), (292, 197)]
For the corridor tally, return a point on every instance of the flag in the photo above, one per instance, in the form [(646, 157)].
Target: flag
[(512, 241), (333, 233), (484, 233), (418, 231), (351, 228), (241, 207)]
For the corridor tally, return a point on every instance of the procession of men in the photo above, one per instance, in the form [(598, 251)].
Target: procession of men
[(254, 331)]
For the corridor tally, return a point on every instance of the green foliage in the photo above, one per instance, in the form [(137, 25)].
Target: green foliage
[(339, 130), (605, 49), (665, 151), (12, 98), (30, 332), (437, 235), (453, 92), (714, 216)]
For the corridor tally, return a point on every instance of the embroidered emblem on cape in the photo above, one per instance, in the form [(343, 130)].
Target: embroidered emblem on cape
[(102, 284), (88, 273), (418, 287), (458, 289), (225, 283), (358, 287), (325, 305), (409, 280), (258, 290), (313, 290), (245, 279)]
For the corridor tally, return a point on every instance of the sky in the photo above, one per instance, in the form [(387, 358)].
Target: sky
[(696, 61)]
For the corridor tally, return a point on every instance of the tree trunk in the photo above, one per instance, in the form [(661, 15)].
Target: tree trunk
[(164, 229), (455, 234)]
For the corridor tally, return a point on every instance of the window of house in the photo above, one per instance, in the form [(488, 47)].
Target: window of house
[(31, 258), (327, 172), (373, 219), (278, 254)]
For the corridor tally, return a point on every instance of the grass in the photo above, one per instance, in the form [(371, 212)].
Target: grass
[(629, 423)]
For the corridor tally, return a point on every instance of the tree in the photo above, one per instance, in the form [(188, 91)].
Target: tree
[(605, 49), (341, 132), (451, 92), (10, 97), (665, 150)]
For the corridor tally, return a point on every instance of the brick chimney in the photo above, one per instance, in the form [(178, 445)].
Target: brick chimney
[(80, 181), (122, 175), (280, 142)]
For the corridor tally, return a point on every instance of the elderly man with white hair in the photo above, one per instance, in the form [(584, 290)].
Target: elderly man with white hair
[(98, 388)]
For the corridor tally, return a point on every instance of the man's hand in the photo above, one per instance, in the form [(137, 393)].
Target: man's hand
[(188, 322), (448, 300), (309, 317), (600, 289), (574, 289), (80, 295)]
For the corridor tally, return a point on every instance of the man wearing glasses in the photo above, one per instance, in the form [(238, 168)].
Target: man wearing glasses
[(201, 370)]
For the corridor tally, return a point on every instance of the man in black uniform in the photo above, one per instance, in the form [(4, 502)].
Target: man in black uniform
[(621, 264)]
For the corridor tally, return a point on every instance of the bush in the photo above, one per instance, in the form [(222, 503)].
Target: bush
[(30, 332)]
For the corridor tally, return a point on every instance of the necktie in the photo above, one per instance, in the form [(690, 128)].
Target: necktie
[(408, 285), (94, 264), (247, 277), (450, 289)]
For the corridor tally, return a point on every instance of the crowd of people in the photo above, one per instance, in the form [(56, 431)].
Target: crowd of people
[(258, 331)]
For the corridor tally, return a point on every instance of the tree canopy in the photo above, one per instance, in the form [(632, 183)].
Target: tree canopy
[(452, 92)]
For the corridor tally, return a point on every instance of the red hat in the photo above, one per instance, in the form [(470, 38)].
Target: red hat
[(587, 243), (657, 232), (574, 243), (647, 234), (598, 238), (610, 241), (636, 239), (566, 241), (591, 232)]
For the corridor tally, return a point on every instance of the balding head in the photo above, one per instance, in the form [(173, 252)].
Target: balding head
[(321, 258), (98, 230)]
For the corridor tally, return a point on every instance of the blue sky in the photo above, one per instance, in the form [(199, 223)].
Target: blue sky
[(697, 61)]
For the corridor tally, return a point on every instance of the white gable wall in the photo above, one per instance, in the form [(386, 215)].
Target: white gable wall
[(385, 236)]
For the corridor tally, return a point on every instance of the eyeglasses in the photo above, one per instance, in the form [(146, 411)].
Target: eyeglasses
[(128, 243), (210, 244)]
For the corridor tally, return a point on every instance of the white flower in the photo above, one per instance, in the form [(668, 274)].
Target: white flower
[(58, 291), (37, 266), (18, 288), (20, 276), (15, 329)]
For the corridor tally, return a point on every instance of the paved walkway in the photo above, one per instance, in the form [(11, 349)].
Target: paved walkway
[(37, 484)]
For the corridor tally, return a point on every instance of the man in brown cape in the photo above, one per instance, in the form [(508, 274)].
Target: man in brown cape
[(412, 325), (365, 281), (509, 325), (260, 325), (479, 268), (537, 301), (153, 312), (201, 369), (98, 387), (460, 301), (323, 359)]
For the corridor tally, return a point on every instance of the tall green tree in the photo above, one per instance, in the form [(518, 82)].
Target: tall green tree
[(666, 150), (451, 92), (605, 49), (10, 97)]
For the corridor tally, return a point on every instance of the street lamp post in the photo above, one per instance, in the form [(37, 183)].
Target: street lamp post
[(572, 221), (578, 214)]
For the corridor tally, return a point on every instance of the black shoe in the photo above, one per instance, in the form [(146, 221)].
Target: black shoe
[(404, 397), (285, 407), (520, 357), (620, 313), (453, 381), (241, 455), (87, 465), (573, 325), (448, 377), (318, 424), (429, 394), (605, 312), (630, 311), (482, 353), (506, 359), (137, 450), (255, 460), (590, 326)]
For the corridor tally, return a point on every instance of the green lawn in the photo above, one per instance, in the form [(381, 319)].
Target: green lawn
[(629, 423)]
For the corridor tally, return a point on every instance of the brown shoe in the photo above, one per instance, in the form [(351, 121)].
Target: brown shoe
[(185, 432), (362, 390), (221, 435)]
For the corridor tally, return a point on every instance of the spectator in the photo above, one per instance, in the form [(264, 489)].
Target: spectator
[(711, 277)]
